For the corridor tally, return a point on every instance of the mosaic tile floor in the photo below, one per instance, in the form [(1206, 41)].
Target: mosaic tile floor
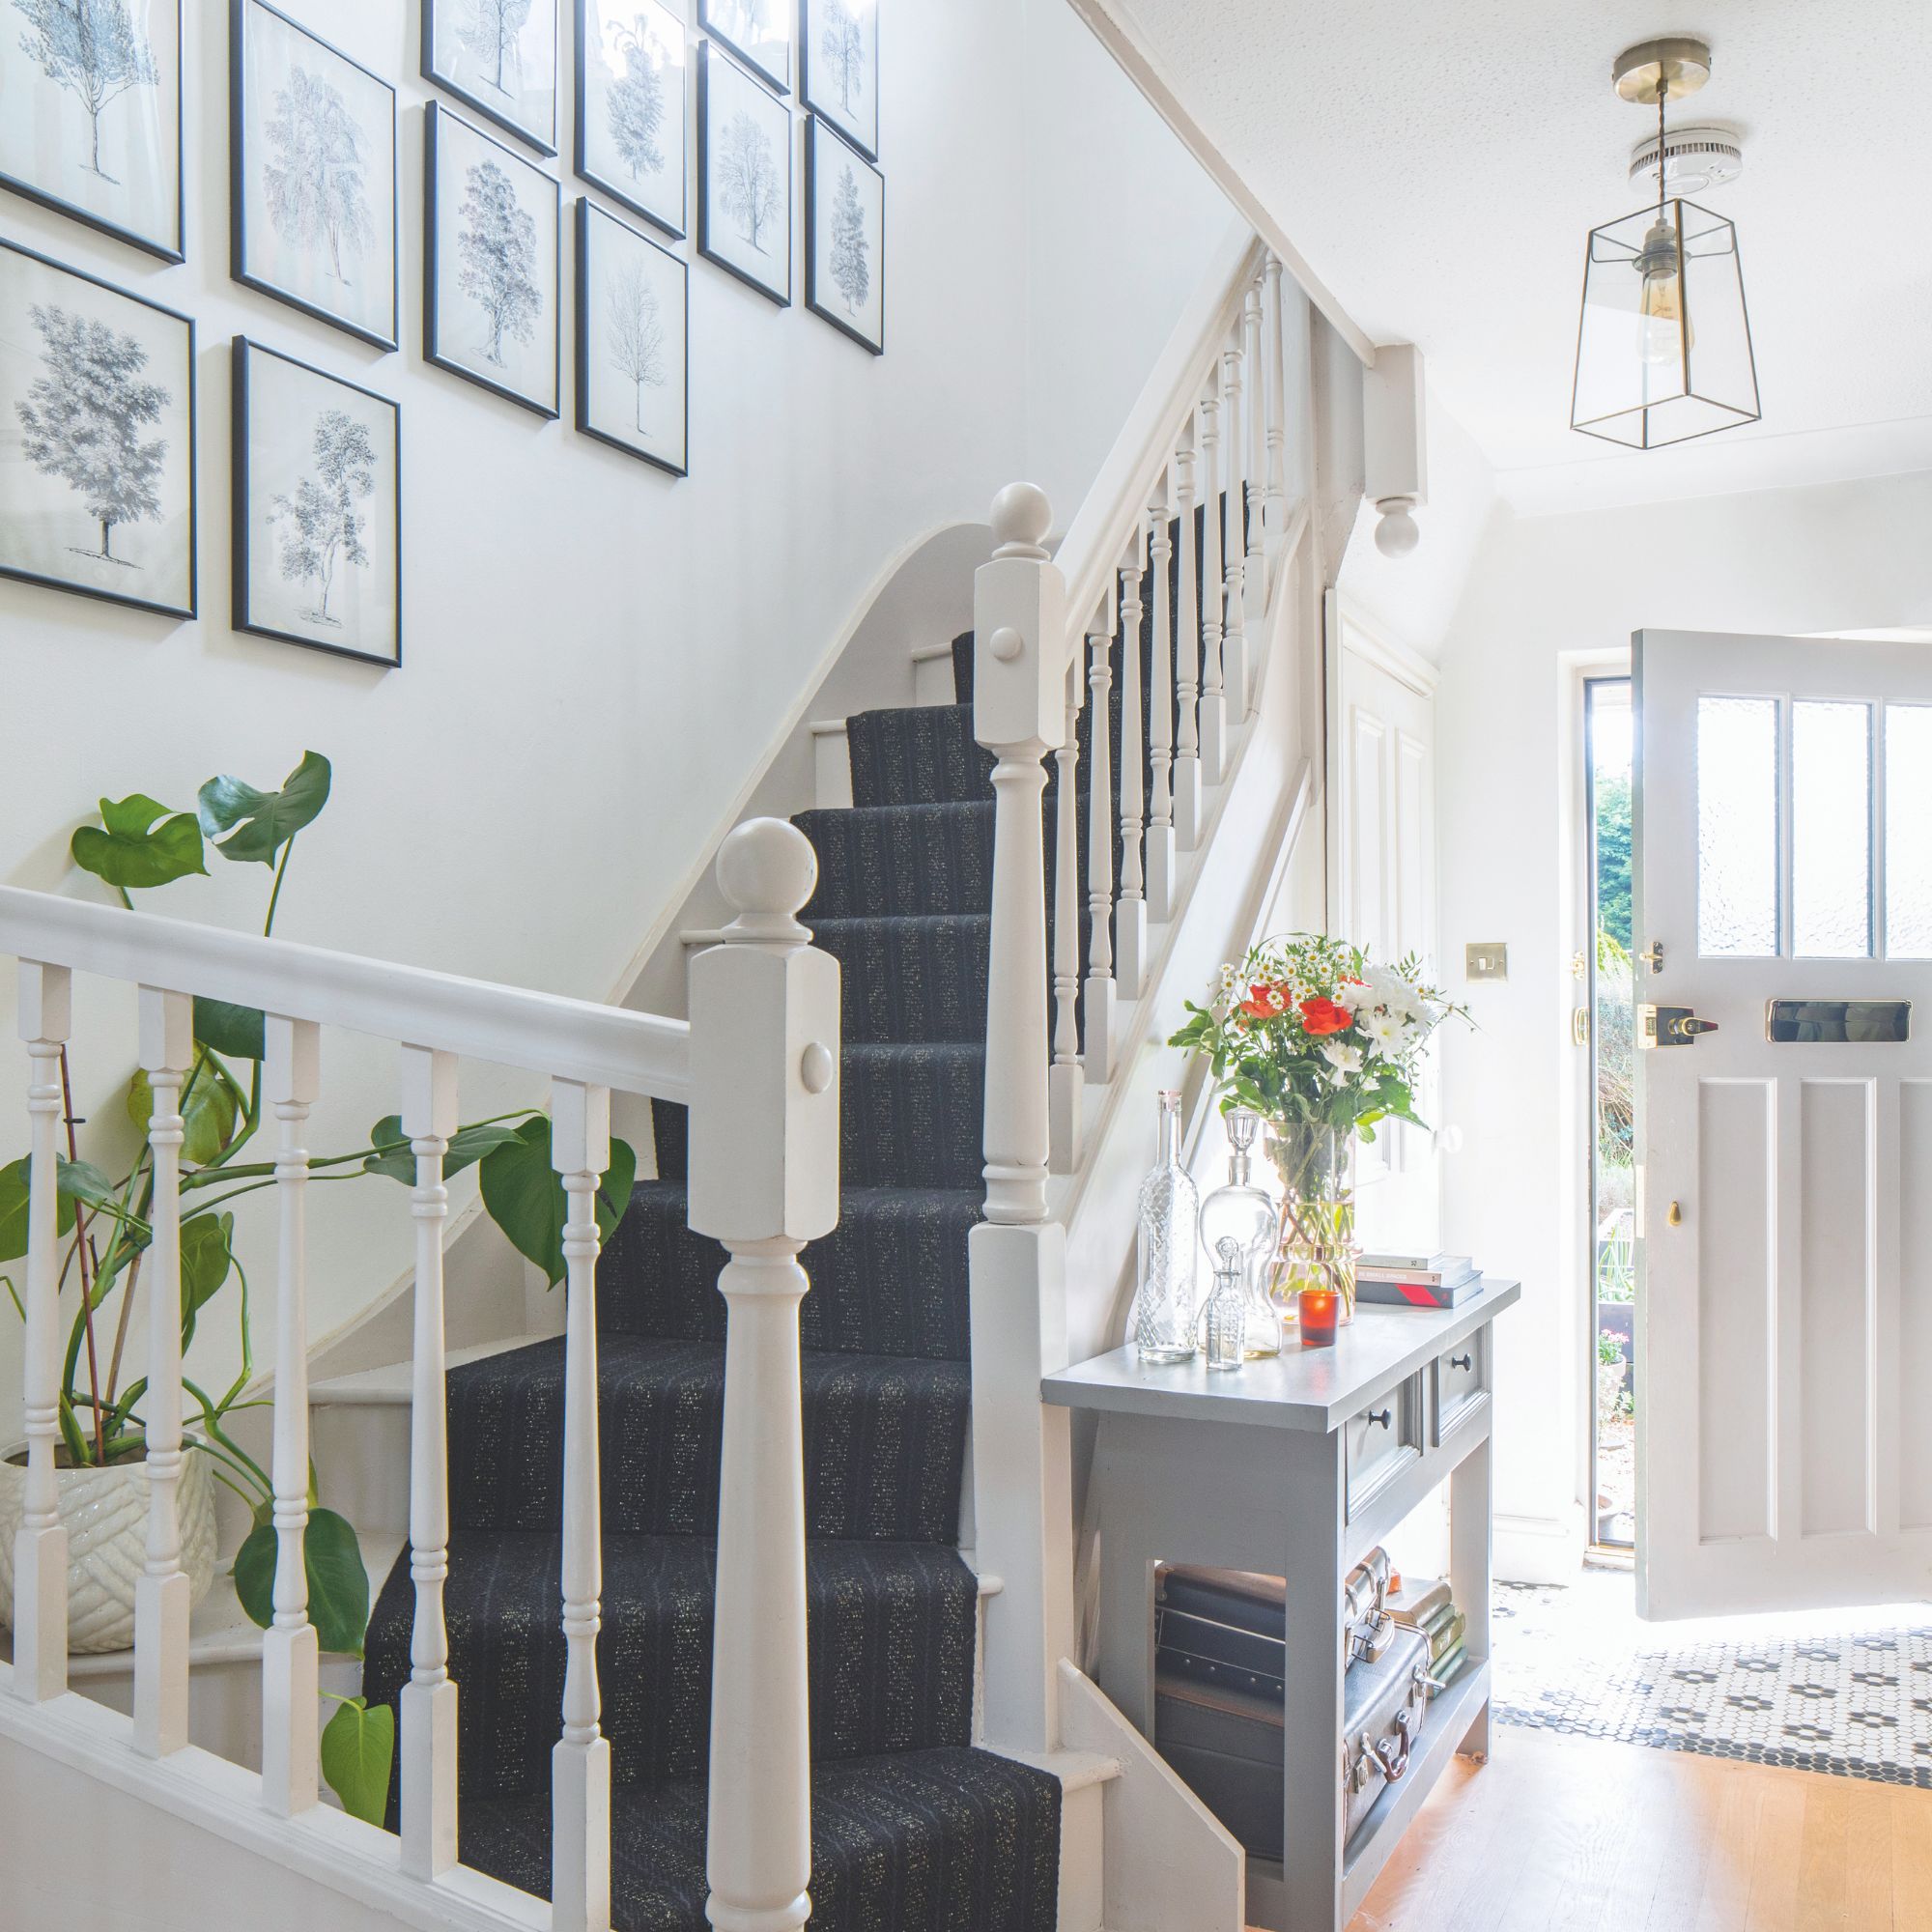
[(1843, 1691)]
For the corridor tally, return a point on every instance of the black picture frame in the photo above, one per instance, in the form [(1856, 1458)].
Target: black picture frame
[(708, 20), (543, 144), (238, 267), (588, 213), (816, 102), (190, 609), (579, 142), (816, 132), (241, 613), (46, 197), (707, 54), (435, 118)]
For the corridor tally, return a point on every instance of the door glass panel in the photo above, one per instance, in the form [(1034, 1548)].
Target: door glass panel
[(1831, 829), (1908, 831), (1736, 826)]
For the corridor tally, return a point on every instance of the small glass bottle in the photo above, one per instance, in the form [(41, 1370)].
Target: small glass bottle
[(1227, 1308), (1170, 1215), (1247, 1215)]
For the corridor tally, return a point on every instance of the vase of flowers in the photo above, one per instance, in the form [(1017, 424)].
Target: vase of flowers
[(1323, 1044)]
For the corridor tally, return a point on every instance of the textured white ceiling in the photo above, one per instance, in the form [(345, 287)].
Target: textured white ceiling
[(1439, 167)]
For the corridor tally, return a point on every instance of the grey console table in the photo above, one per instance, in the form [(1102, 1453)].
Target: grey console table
[(1299, 1467)]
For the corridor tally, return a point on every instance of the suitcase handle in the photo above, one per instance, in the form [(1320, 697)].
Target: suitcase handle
[(1391, 1754)]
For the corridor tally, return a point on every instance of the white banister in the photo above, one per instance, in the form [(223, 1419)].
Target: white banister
[(1068, 1080), (39, 1545), (1255, 579), (1097, 999), (1235, 563), (1160, 848), (1187, 661), (1130, 915), (581, 1758), (1211, 711), (1274, 351), (764, 1181), (428, 1701), (291, 1662), (163, 1591)]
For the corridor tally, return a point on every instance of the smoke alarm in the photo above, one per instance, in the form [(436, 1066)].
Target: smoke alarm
[(1694, 160)]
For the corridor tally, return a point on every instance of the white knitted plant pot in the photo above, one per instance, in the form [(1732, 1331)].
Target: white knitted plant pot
[(105, 1512)]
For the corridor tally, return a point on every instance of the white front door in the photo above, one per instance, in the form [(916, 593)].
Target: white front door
[(1783, 840)]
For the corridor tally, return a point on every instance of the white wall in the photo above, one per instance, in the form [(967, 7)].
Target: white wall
[(596, 656), (1546, 595)]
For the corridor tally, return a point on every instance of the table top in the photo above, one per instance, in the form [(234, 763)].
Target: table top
[(1300, 1388)]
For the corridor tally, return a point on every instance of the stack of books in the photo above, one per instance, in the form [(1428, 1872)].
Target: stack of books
[(1427, 1607), (1416, 1281)]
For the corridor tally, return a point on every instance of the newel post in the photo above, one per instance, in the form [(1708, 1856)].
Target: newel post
[(1020, 1465), (764, 1181)]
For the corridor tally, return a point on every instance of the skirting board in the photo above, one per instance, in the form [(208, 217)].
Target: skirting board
[(1539, 1548)]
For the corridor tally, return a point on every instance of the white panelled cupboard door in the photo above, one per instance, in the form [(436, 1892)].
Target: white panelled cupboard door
[(1783, 882), (1383, 885)]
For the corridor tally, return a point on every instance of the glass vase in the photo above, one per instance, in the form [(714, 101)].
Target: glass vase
[(1246, 1214), (1169, 1217), (1317, 1247)]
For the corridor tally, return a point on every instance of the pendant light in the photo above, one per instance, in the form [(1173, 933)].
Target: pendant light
[(1663, 352)]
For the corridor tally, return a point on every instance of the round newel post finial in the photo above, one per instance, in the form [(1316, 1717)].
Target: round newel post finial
[(1021, 519), (1397, 533), (767, 870)]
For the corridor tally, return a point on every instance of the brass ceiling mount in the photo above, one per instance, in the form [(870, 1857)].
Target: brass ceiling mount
[(1680, 65)]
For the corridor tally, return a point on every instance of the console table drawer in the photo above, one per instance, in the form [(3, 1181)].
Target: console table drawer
[(1460, 1379), (1385, 1437)]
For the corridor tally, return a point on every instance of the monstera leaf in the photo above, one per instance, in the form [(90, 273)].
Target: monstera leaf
[(139, 842), (207, 1254), (359, 1748), (468, 1145), (338, 1586), (251, 827), (526, 1198), (208, 1108), (236, 1031), (14, 1209)]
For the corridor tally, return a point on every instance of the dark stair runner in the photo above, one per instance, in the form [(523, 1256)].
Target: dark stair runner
[(913, 1830)]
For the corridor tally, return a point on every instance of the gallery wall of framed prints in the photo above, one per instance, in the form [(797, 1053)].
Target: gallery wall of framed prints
[(733, 132)]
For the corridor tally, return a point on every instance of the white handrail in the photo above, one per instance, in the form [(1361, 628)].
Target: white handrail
[(509, 1026)]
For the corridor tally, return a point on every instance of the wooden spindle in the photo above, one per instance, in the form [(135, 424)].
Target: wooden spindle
[(162, 1593), (1068, 1080), (764, 1180), (1019, 627), (1131, 914), (1213, 573), (1160, 718), (1273, 351), (581, 1759), (1234, 561), (39, 1545), (428, 1701), (1255, 582), (1187, 663), (1098, 1000), (291, 1662)]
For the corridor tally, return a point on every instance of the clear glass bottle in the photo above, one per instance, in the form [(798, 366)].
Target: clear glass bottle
[(1246, 1214), (1227, 1308), (1170, 1216)]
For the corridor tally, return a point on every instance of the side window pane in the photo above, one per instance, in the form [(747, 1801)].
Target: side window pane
[(1908, 831), (1831, 829), (1736, 826)]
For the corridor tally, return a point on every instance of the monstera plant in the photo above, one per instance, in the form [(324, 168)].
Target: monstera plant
[(103, 1226)]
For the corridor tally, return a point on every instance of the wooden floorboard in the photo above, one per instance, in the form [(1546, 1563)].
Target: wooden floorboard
[(1571, 1834)]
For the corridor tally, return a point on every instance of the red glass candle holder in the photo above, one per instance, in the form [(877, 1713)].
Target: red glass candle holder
[(1321, 1311)]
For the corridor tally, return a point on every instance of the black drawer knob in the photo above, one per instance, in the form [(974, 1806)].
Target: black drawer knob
[(1385, 1416), (1462, 1361)]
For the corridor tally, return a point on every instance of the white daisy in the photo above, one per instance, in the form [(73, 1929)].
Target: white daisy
[(1342, 1056), (1386, 1030)]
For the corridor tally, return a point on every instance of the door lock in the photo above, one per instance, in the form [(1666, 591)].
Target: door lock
[(1670, 1026), (1652, 956)]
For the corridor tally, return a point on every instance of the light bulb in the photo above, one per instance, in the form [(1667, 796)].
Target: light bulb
[(1666, 336)]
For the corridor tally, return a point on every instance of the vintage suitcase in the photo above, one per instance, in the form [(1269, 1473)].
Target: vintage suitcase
[(1219, 1642)]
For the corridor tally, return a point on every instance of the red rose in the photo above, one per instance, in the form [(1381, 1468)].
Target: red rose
[(1265, 1000), (1323, 1016)]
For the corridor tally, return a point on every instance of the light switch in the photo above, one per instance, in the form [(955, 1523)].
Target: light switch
[(1489, 959)]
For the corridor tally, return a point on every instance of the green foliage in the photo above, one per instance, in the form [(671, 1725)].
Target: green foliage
[(389, 1153), (251, 825), (359, 1748), (210, 1104), (206, 1255), (526, 1198), (338, 1586), (13, 1186), (238, 1032), (139, 842), (1613, 858)]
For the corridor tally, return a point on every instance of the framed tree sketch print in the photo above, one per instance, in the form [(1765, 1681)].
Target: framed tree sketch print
[(491, 225), (757, 31), (631, 70), (90, 114), (844, 236), (500, 57), (312, 185), (744, 177), (97, 437), (318, 508), (633, 367), (839, 67)]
